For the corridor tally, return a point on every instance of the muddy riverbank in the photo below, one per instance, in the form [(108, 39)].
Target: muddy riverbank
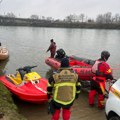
[(8, 110), (80, 110)]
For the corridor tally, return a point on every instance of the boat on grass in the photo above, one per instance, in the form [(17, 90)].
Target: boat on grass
[(27, 85)]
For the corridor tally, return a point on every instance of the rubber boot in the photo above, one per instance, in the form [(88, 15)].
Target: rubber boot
[(101, 101), (56, 115), (91, 97), (66, 114)]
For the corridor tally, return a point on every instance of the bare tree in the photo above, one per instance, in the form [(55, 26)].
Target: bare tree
[(108, 17), (105, 18), (36, 17), (49, 19), (117, 18), (68, 18), (82, 17), (11, 15), (100, 18), (43, 18), (71, 18)]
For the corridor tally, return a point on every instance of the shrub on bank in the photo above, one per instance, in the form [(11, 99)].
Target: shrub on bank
[(8, 110)]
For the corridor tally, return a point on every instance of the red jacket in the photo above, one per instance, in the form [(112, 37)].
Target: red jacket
[(52, 47), (102, 69)]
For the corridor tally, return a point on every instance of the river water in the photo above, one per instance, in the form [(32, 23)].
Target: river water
[(28, 45)]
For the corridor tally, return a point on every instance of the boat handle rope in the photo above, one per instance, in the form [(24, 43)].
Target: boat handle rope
[(38, 87)]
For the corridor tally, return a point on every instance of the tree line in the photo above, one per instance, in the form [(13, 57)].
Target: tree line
[(106, 20), (101, 18)]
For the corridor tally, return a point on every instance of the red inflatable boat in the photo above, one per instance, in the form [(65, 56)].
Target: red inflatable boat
[(73, 61), (33, 89), (81, 66)]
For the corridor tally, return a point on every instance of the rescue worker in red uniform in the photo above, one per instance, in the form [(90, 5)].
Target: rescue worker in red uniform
[(102, 72), (52, 48), (64, 87)]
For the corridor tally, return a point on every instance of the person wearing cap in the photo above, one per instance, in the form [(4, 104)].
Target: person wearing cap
[(102, 72), (63, 87), (52, 48)]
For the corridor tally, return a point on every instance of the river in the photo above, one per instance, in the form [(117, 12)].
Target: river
[(28, 45)]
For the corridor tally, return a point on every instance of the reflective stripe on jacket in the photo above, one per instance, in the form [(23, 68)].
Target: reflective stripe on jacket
[(65, 86)]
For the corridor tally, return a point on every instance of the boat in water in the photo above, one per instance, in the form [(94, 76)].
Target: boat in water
[(4, 54), (82, 67), (73, 60), (27, 85)]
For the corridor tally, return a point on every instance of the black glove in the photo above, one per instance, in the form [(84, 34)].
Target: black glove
[(114, 80), (77, 95), (51, 108), (48, 96)]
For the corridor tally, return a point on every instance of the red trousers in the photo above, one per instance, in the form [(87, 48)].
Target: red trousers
[(97, 87), (65, 114), (52, 54)]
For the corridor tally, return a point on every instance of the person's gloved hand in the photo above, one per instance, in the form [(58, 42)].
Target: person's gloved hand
[(77, 95), (49, 100), (48, 96), (51, 108), (114, 80)]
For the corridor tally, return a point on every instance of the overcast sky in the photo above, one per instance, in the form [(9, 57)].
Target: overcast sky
[(59, 9)]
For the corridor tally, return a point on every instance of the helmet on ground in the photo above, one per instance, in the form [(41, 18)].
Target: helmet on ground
[(64, 62), (105, 55)]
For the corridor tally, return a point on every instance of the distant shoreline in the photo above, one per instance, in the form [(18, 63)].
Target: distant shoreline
[(7, 21)]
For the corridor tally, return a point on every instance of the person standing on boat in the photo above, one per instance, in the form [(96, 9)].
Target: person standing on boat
[(52, 48), (102, 72), (63, 87)]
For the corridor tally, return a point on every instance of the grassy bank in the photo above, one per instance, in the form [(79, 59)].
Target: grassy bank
[(8, 110)]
